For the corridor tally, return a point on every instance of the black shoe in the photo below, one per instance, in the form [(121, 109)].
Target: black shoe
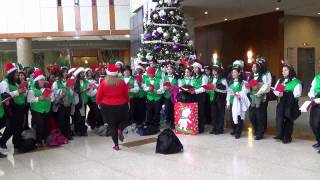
[(258, 138), (232, 133), (212, 131), (3, 146), (286, 141), (277, 138), (237, 136), (319, 152), (316, 145), (2, 155), (218, 132)]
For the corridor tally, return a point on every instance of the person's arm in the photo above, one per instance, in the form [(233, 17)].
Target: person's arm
[(204, 82), (161, 89), (297, 92), (31, 98), (100, 92), (5, 88), (311, 92), (135, 88)]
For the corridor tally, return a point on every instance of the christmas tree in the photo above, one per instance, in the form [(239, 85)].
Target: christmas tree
[(165, 35)]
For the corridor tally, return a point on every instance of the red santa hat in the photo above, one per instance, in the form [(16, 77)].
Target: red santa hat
[(10, 67), (71, 70), (140, 67), (119, 63), (78, 71), (151, 71), (112, 70), (196, 64), (38, 75), (87, 69)]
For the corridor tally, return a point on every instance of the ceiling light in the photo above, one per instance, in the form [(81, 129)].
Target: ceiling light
[(127, 35), (4, 40), (76, 37), (277, 9), (225, 19), (206, 12), (49, 38), (318, 13)]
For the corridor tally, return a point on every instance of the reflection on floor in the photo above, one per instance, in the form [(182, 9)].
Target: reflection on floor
[(205, 157)]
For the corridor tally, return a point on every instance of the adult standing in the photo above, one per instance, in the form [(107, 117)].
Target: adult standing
[(113, 98)]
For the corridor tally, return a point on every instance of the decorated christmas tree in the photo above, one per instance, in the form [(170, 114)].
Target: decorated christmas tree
[(165, 35)]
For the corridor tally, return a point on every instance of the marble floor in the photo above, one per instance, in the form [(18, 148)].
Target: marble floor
[(205, 157)]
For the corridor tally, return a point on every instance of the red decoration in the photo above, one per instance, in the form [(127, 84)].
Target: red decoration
[(70, 83), (280, 87), (208, 87), (151, 87), (139, 78), (252, 83), (167, 84), (186, 118), (47, 92), (91, 85), (23, 85)]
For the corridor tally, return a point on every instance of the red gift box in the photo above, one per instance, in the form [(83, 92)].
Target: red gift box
[(186, 118), (46, 92), (23, 85), (280, 87), (208, 87)]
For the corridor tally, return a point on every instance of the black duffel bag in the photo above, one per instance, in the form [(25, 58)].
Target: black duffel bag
[(168, 143)]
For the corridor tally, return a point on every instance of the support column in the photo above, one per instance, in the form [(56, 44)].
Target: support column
[(24, 52)]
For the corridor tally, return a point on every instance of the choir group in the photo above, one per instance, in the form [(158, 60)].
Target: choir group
[(66, 93)]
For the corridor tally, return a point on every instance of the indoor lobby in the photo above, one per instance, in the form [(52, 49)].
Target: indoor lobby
[(84, 34)]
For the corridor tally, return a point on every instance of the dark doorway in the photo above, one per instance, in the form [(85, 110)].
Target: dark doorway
[(306, 67)]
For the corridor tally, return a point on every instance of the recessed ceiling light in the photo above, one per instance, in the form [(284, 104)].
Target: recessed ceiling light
[(127, 35), (318, 13), (225, 19), (76, 37), (4, 40), (49, 38), (277, 9), (206, 12)]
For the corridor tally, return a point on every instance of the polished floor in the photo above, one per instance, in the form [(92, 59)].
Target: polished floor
[(205, 157)]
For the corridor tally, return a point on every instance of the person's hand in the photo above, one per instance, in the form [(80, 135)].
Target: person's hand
[(22, 90), (228, 107)]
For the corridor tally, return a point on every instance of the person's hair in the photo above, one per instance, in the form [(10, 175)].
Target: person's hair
[(11, 78), (77, 84), (112, 80), (60, 74), (127, 68), (36, 85), (190, 70), (240, 79), (259, 71)]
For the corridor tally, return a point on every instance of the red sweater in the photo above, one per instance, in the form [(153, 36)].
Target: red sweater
[(116, 95)]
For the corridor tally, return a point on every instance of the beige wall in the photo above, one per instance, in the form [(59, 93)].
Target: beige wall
[(299, 30)]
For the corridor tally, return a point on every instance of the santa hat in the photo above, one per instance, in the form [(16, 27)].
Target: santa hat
[(119, 63), (112, 70), (196, 64), (70, 71), (151, 71), (38, 75), (140, 67), (78, 71), (10, 67), (87, 69)]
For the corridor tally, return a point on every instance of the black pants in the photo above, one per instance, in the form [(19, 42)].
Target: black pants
[(201, 100), (94, 118), (63, 120), (207, 109), (80, 127), (153, 113), (2, 123), (14, 125), (257, 119), (315, 122), (237, 128), (169, 111), (138, 109), (217, 116), (116, 117), (39, 122), (264, 106)]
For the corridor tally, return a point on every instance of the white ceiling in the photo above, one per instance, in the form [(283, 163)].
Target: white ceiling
[(218, 10)]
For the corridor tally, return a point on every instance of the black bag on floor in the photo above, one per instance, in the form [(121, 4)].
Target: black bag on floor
[(149, 130), (28, 141), (168, 143)]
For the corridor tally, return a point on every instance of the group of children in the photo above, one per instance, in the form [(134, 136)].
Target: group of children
[(64, 96)]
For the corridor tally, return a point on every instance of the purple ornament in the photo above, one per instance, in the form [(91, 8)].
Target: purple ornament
[(157, 47), (176, 47), (149, 36)]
